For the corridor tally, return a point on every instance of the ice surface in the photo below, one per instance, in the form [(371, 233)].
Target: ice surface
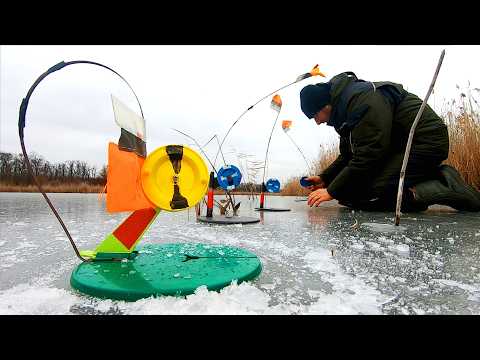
[(382, 227), (466, 287), (401, 249), (350, 295), (314, 261)]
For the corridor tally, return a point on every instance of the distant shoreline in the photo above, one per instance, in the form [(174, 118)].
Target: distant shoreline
[(54, 188), (94, 189)]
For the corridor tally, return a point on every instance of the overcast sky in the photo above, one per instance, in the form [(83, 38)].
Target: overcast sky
[(201, 90)]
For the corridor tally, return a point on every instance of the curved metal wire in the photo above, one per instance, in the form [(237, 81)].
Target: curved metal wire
[(268, 146), (21, 126), (298, 148), (251, 107), (213, 166)]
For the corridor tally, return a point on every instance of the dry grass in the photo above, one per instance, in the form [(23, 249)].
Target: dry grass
[(464, 154), (326, 156), (293, 187), (54, 188)]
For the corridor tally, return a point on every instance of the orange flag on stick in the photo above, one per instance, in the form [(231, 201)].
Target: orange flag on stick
[(286, 124), (314, 72), (276, 103)]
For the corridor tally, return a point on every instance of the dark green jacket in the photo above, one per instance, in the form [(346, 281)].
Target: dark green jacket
[(381, 131)]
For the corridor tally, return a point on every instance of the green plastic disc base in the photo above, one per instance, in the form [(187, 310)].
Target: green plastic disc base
[(166, 269)]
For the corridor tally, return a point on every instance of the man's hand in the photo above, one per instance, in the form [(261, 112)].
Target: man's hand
[(318, 196), (318, 183)]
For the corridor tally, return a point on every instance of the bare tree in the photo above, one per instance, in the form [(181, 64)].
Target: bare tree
[(13, 170)]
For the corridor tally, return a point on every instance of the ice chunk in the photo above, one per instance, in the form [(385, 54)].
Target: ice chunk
[(357, 247), (401, 249), (418, 311), (385, 241), (373, 245)]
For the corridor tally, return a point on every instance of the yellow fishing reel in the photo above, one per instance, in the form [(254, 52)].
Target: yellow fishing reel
[(174, 177)]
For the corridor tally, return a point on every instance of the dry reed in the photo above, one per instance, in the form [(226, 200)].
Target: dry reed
[(464, 154), (54, 188), (327, 154)]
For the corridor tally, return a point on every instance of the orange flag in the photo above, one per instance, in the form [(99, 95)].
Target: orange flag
[(314, 72), (124, 185), (276, 103), (286, 124)]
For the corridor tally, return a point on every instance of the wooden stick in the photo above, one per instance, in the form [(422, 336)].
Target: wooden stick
[(410, 138)]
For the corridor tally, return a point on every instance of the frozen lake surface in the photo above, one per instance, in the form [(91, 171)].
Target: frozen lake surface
[(315, 261)]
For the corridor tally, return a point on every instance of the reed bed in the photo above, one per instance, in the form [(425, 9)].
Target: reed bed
[(327, 154), (464, 153), (54, 188)]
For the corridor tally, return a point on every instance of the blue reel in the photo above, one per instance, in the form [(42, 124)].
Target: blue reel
[(273, 185), (304, 182), (229, 177)]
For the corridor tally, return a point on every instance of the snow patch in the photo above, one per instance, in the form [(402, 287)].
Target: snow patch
[(234, 299), (351, 294), (30, 300)]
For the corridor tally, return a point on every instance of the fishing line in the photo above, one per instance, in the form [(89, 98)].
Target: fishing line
[(21, 126), (203, 152), (199, 146), (251, 107), (306, 162), (218, 143), (315, 71), (268, 145)]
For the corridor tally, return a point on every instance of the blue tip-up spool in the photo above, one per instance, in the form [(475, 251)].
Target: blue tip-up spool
[(229, 177), (304, 182), (273, 185)]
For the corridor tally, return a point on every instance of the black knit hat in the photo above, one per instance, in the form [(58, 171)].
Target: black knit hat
[(314, 97)]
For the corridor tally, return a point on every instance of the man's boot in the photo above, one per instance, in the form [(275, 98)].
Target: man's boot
[(450, 190)]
